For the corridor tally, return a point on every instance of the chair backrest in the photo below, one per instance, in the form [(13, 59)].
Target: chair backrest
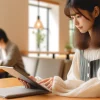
[(66, 68), (49, 67), (30, 64)]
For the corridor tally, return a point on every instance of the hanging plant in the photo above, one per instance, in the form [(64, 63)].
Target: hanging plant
[(39, 38)]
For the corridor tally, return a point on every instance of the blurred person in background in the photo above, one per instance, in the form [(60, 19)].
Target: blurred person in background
[(9, 54)]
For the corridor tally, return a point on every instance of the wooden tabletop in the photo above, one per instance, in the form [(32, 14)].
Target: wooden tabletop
[(9, 82)]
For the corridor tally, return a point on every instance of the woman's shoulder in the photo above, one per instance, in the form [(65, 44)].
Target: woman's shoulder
[(77, 51), (11, 46), (77, 54)]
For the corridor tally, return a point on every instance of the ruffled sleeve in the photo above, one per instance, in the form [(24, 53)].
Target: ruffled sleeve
[(90, 88)]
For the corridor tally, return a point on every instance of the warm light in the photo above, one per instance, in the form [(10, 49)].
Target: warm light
[(38, 24)]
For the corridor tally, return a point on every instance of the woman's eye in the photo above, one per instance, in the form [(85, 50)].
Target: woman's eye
[(78, 16)]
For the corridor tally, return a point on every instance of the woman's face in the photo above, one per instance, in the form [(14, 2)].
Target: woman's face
[(81, 23)]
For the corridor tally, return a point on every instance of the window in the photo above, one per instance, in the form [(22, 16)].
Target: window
[(71, 32), (49, 16)]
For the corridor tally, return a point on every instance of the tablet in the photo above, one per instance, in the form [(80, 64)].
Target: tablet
[(20, 73)]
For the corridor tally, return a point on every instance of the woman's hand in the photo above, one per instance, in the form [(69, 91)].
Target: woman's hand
[(47, 82), (27, 85)]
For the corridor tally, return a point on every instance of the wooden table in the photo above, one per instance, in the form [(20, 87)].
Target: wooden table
[(9, 82)]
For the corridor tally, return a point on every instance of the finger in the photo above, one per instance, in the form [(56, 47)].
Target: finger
[(50, 88), (32, 78), (25, 84), (44, 80), (22, 81), (28, 85), (49, 85), (47, 82), (18, 78)]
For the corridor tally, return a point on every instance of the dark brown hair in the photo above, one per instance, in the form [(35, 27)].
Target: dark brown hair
[(83, 41), (3, 35)]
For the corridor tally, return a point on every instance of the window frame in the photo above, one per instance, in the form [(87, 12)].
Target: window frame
[(45, 28)]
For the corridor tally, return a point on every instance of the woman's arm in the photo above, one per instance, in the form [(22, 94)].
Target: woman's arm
[(73, 77), (90, 88), (74, 87)]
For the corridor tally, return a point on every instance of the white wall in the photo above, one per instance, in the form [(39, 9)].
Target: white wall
[(54, 28), (14, 20)]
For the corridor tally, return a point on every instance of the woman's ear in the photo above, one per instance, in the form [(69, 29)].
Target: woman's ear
[(96, 11)]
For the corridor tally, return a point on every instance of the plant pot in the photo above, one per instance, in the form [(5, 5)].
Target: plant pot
[(67, 50)]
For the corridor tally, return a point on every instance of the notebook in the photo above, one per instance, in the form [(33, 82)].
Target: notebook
[(19, 91)]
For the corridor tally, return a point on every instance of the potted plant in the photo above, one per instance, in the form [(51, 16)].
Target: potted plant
[(39, 38), (68, 48)]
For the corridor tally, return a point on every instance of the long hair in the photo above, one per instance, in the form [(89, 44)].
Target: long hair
[(83, 41)]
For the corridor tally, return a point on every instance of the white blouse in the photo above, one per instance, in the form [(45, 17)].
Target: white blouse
[(73, 86)]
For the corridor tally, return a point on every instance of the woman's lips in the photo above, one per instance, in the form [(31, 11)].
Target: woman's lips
[(80, 27)]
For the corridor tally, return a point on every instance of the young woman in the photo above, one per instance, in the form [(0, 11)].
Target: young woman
[(83, 79)]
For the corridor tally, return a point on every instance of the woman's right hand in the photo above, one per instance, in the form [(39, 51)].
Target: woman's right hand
[(27, 85)]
